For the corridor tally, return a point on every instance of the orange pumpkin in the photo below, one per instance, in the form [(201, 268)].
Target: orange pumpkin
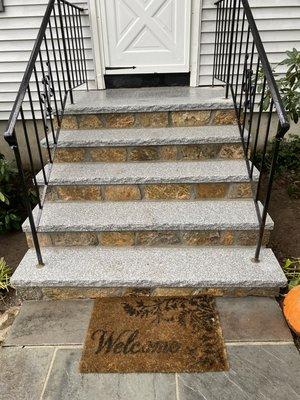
[(291, 309)]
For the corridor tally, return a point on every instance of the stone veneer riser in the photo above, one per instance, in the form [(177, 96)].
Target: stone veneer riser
[(149, 119), (191, 152), (150, 238), (68, 293), (171, 191)]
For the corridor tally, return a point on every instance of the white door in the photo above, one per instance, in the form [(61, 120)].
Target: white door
[(147, 36)]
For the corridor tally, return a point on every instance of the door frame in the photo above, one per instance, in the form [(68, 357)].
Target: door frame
[(98, 27)]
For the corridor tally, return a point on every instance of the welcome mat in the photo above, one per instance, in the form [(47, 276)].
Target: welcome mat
[(144, 334)]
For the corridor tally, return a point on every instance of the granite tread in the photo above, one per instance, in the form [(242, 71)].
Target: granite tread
[(150, 267), (148, 172), (151, 215), (149, 136), (148, 100)]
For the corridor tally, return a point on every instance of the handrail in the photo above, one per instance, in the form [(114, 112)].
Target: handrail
[(241, 62), (28, 73), (278, 103), (61, 36), (29, 69)]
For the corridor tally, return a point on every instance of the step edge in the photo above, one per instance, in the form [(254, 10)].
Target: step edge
[(154, 227), (147, 181), (216, 104), (252, 285), (90, 144)]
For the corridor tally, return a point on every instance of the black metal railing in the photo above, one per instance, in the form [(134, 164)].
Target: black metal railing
[(240, 61), (57, 66)]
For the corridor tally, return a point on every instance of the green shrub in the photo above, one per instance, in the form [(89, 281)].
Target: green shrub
[(12, 208), (289, 85), (288, 156), (5, 274), (288, 163)]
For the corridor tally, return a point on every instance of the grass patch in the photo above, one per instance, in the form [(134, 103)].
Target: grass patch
[(291, 269), (5, 274)]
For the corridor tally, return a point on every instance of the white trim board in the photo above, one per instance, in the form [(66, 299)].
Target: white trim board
[(97, 40)]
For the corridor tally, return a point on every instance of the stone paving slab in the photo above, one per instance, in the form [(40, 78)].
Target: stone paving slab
[(257, 371), (252, 319), (268, 372), (65, 322), (23, 372), (50, 323), (66, 383)]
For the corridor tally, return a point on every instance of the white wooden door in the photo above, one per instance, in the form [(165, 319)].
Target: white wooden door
[(149, 35)]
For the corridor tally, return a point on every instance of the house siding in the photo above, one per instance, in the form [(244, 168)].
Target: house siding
[(19, 26), (278, 21)]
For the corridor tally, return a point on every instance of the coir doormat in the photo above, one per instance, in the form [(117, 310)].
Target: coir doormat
[(144, 334)]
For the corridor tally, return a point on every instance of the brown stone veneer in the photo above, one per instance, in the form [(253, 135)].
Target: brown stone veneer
[(149, 119), (164, 191), (64, 293), (150, 238), (191, 152)]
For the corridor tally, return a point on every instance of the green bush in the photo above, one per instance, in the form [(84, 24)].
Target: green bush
[(12, 208), (288, 163), (5, 274), (289, 85), (9, 215), (288, 156)]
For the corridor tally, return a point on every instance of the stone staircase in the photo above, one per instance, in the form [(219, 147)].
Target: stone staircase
[(151, 196)]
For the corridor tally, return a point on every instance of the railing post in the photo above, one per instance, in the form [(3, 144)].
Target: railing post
[(65, 51), (230, 49), (15, 148), (215, 48), (278, 140), (44, 93), (247, 102)]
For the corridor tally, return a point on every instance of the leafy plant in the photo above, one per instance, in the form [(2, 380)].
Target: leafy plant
[(291, 269), (12, 208), (289, 85), (294, 188), (9, 218), (288, 163), (288, 156), (5, 274)]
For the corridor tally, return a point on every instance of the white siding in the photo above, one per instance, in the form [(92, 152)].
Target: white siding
[(19, 26), (277, 20)]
